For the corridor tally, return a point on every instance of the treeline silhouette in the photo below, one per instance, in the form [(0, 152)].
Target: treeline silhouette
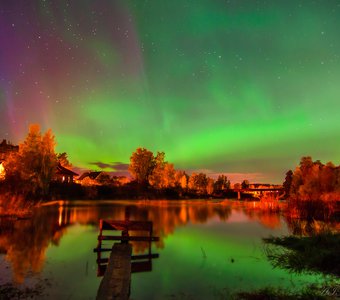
[(30, 177), (153, 178)]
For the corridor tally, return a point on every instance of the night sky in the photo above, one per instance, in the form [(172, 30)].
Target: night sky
[(238, 87)]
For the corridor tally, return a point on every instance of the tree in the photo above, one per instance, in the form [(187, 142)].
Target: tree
[(245, 184), (63, 160), (198, 183), (297, 181), (48, 161), (237, 186), (210, 186), (169, 176), (306, 163), (314, 190), (181, 179), (142, 163), (30, 170), (104, 179), (163, 174), (222, 183), (288, 182), (314, 181), (328, 178), (156, 176)]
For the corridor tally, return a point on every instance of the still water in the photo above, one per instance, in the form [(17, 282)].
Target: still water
[(206, 249)]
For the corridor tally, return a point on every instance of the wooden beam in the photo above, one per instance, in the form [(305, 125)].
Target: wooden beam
[(128, 238), (133, 257), (126, 225)]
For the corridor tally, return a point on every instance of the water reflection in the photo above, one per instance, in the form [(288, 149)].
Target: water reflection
[(128, 232), (24, 243), (313, 244), (117, 268)]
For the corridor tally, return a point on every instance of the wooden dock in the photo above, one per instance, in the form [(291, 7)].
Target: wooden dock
[(117, 279), (117, 268)]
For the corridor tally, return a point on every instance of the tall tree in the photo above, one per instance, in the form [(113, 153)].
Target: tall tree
[(31, 169), (198, 183), (156, 176), (237, 186), (181, 179), (210, 185), (287, 183), (245, 184), (314, 181), (142, 163), (169, 175), (48, 160), (222, 183), (163, 174), (63, 160)]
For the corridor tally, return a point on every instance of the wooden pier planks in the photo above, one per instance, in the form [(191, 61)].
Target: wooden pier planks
[(117, 278), (117, 274)]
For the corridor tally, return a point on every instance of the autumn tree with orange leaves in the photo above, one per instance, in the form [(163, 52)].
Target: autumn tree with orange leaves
[(30, 170)]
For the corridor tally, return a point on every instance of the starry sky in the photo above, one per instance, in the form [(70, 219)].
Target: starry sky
[(243, 88)]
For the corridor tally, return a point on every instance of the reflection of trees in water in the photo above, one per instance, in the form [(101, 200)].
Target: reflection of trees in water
[(303, 227), (314, 245), (327, 211), (312, 217), (166, 217), (310, 226), (26, 241), (267, 213), (267, 219)]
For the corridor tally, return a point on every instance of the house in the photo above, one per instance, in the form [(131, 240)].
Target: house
[(6, 148), (89, 178), (64, 175)]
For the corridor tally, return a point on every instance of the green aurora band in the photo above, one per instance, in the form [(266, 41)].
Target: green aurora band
[(244, 88)]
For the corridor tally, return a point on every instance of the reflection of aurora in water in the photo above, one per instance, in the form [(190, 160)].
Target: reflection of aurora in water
[(60, 238)]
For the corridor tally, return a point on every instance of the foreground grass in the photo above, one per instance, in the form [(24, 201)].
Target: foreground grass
[(314, 254), (311, 292), (9, 292)]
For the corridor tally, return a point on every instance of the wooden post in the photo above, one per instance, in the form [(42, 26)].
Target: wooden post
[(150, 236), (100, 232)]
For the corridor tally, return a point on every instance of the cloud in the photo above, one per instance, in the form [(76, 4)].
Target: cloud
[(102, 165), (119, 166), (115, 166)]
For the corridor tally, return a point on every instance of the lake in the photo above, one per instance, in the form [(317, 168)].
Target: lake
[(206, 249)]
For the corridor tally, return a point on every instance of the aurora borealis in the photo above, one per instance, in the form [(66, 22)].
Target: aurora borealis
[(238, 87)]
